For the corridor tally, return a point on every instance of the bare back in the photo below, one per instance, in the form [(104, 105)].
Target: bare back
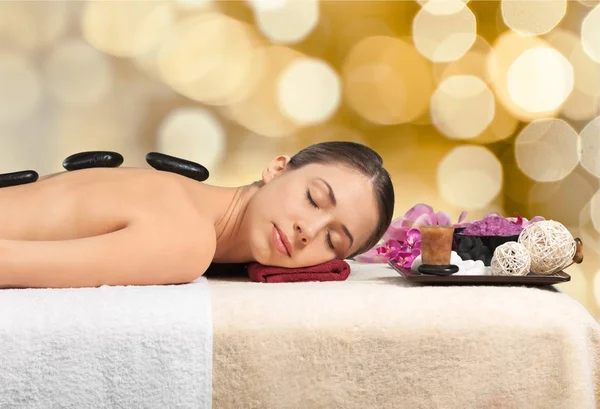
[(87, 202), (116, 226)]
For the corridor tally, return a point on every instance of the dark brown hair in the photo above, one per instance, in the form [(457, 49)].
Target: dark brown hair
[(364, 160)]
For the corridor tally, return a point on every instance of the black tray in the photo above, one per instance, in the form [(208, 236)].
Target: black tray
[(534, 280)]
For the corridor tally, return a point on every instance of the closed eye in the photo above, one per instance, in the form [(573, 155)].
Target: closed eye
[(314, 204), (329, 242), (310, 199)]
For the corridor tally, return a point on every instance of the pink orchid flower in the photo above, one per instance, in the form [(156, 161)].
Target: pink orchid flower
[(402, 240)]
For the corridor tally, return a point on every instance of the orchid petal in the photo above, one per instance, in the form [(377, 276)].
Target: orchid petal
[(423, 220), (395, 233), (397, 223), (407, 259), (397, 230), (462, 216), (442, 219), (418, 210), (403, 254), (371, 256), (519, 220), (413, 236)]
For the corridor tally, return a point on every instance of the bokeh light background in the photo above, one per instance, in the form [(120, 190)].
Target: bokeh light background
[(476, 105)]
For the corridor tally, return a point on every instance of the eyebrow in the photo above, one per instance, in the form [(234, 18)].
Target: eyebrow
[(334, 202)]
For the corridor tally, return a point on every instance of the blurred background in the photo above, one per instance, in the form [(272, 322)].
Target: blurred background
[(484, 106)]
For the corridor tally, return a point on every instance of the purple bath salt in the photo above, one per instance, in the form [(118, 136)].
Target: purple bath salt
[(493, 226)]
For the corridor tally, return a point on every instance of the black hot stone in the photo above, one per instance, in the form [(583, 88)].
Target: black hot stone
[(18, 178), (192, 170), (93, 159), (438, 270)]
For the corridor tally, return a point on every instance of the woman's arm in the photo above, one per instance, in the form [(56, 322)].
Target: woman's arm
[(142, 254)]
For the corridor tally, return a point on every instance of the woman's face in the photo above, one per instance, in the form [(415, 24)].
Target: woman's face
[(310, 215)]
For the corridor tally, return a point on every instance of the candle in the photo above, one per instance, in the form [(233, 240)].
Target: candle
[(436, 244)]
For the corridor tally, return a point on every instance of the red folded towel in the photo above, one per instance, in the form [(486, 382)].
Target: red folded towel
[(335, 270)]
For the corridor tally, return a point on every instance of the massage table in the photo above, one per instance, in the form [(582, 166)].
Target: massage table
[(378, 341), (372, 341)]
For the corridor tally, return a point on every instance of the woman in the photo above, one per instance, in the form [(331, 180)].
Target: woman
[(129, 226)]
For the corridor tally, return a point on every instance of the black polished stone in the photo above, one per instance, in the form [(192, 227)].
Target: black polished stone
[(438, 270), (18, 178), (173, 164), (93, 159)]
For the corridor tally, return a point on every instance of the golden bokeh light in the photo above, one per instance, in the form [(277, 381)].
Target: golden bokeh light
[(32, 25), (589, 234), (326, 132), (194, 5), (76, 73), (442, 7), (193, 134), (15, 26), (585, 70), (578, 287), (126, 28), (502, 126), (462, 107), (562, 200), (590, 147), (584, 101), (266, 4), (386, 81), (581, 106), (547, 141), (286, 21), (355, 30), (107, 124), (470, 177), (507, 49), (589, 3), (308, 91), (246, 160), (597, 287), (540, 80), (543, 192), (210, 58), (20, 87), (595, 211), (529, 17), (474, 62), (444, 30), (590, 33), (259, 110), (413, 150)]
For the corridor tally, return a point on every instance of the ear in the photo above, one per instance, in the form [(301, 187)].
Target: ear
[(275, 168)]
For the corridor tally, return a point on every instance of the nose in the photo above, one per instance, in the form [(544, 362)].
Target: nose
[(304, 233)]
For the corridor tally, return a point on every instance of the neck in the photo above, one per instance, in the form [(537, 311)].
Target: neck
[(231, 205)]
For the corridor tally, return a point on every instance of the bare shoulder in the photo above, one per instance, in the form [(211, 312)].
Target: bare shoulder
[(196, 242), (187, 234)]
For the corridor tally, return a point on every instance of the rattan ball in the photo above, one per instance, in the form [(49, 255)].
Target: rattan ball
[(550, 245), (511, 259)]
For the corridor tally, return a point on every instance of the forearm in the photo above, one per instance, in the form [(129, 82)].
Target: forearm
[(131, 256)]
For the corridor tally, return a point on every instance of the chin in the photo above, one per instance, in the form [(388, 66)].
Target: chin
[(261, 251)]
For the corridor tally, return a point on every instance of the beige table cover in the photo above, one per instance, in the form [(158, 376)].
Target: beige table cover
[(377, 341)]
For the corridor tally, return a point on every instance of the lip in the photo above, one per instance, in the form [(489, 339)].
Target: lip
[(281, 241)]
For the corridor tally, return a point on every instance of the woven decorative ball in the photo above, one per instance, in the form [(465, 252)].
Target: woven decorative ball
[(550, 245), (511, 259)]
